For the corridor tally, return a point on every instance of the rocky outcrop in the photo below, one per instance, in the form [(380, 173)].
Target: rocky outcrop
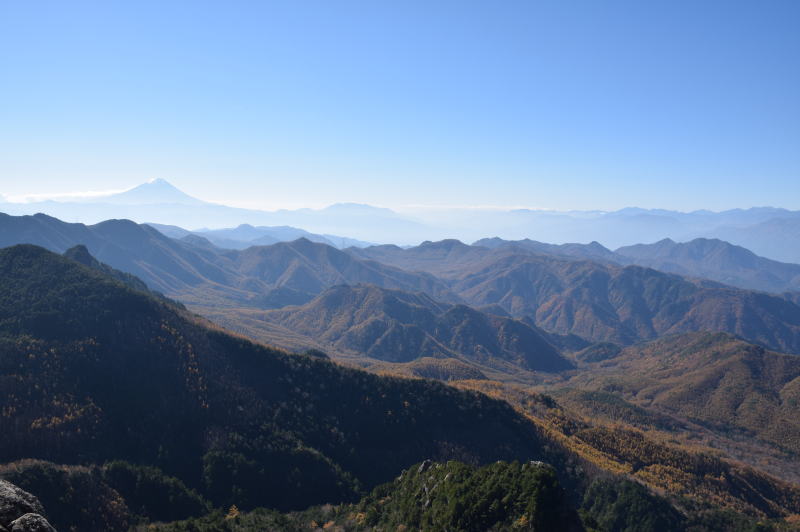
[(15, 501), (20, 511), (31, 523)]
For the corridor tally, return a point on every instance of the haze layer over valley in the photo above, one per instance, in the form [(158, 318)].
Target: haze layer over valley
[(770, 232)]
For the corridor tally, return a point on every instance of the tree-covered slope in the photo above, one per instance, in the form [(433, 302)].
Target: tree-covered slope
[(627, 304), (453, 496), (92, 370), (399, 326), (695, 478), (597, 294), (714, 379), (308, 268), (430, 496)]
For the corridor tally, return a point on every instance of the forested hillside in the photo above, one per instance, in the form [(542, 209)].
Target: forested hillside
[(137, 395), (714, 379), (398, 326), (93, 371)]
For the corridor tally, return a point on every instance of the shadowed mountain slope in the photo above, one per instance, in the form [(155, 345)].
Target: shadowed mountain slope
[(92, 370), (81, 255), (399, 326)]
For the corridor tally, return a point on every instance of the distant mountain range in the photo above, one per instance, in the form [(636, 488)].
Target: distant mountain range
[(767, 231), (245, 235), (702, 258), (159, 202), (717, 260), (598, 301)]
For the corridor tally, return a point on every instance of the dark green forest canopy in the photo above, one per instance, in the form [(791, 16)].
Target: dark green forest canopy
[(92, 370)]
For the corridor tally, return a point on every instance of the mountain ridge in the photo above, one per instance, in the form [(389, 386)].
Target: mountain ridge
[(261, 276), (764, 230), (599, 301), (246, 235), (718, 260), (397, 326)]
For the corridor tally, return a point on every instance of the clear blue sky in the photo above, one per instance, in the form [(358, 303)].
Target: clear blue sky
[(562, 104)]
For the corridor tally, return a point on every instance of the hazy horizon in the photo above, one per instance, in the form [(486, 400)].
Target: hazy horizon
[(79, 196), (767, 231)]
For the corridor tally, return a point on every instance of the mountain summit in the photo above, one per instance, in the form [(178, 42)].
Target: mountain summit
[(155, 191)]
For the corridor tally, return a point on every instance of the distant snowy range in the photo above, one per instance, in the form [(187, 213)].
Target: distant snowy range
[(767, 231)]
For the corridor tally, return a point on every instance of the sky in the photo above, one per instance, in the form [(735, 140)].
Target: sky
[(555, 104)]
